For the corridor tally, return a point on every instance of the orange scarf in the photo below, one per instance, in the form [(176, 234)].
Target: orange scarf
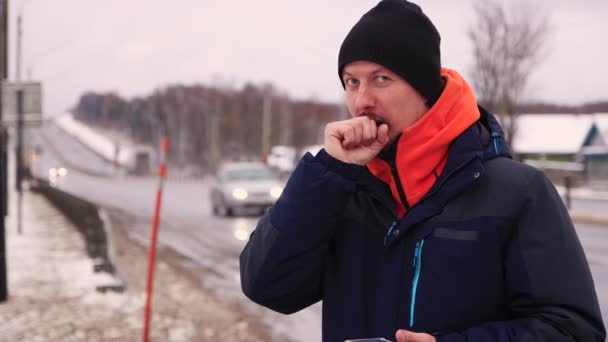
[(422, 148)]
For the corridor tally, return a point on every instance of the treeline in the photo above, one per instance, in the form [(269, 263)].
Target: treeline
[(206, 124), (543, 108)]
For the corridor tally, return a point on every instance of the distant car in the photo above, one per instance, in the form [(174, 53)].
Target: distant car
[(57, 175), (244, 185), (282, 158), (313, 149)]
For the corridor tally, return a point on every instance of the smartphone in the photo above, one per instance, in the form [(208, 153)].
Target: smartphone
[(375, 339)]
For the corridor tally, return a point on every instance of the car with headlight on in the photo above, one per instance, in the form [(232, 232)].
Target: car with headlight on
[(244, 185), (57, 175)]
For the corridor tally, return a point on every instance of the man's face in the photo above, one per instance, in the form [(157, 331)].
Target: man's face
[(374, 91)]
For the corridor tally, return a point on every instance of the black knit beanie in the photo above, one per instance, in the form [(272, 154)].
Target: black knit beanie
[(399, 36)]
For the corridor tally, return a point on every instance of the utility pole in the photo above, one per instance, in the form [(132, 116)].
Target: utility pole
[(19, 159), (214, 130), (19, 147), (3, 148), (266, 122), (18, 59), (3, 40)]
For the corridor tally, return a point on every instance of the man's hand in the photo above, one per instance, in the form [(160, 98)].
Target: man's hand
[(355, 141), (408, 336)]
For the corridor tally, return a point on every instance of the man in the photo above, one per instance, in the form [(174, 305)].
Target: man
[(413, 223)]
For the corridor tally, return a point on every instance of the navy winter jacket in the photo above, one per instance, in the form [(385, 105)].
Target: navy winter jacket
[(489, 254)]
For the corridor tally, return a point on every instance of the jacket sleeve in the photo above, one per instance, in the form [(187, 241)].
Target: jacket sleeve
[(282, 264), (548, 281)]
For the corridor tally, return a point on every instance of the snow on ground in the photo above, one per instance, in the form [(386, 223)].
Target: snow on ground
[(52, 294), (51, 279)]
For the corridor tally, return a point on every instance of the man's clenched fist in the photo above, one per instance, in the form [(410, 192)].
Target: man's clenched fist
[(355, 141)]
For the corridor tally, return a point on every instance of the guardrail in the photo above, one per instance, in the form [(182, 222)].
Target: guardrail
[(88, 220)]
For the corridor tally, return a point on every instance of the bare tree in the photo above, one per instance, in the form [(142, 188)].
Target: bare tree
[(508, 44)]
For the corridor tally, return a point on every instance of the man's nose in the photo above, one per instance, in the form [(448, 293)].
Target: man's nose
[(365, 101)]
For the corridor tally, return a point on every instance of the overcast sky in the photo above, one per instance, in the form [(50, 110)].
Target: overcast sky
[(135, 46)]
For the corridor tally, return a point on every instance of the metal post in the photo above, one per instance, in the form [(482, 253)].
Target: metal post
[(19, 158), (162, 171), (18, 57), (3, 207), (3, 149), (3, 169), (19, 148), (3, 39)]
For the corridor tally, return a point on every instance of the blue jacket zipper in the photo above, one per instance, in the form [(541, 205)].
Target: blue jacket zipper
[(417, 270), (390, 230), (495, 137)]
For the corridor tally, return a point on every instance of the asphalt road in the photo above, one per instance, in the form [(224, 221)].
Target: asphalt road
[(212, 243)]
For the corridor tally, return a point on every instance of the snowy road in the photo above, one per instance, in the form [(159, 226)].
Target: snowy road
[(214, 243)]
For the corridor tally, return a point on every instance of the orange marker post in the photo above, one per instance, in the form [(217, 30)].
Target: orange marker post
[(162, 170)]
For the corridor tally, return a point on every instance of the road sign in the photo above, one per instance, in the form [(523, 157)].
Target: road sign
[(32, 100)]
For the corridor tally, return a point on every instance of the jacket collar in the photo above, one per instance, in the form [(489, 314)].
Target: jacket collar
[(420, 153), (464, 166)]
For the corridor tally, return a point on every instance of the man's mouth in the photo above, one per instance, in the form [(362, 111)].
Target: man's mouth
[(379, 121)]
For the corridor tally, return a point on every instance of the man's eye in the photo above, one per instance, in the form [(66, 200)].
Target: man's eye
[(382, 78), (351, 82)]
